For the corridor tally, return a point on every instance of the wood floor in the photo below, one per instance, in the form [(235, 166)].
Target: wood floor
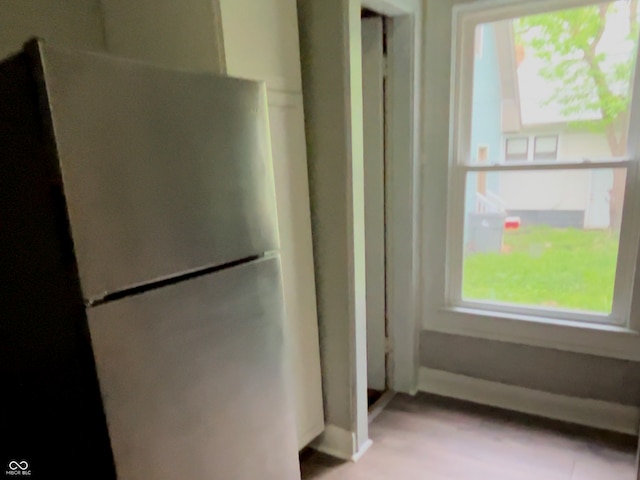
[(431, 438)]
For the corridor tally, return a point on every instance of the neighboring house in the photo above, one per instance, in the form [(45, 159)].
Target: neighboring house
[(508, 126), (562, 198), (486, 143), (486, 130)]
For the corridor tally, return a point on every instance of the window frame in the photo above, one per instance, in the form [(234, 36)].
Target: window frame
[(516, 158), (478, 44), (545, 156), (482, 148), (466, 18)]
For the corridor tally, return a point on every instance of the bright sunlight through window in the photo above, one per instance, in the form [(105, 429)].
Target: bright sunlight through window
[(542, 159)]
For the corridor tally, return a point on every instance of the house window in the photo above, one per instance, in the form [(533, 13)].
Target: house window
[(516, 149), (545, 147), (554, 237), (483, 154)]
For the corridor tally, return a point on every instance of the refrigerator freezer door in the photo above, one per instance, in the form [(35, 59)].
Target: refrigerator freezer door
[(193, 381), (164, 171)]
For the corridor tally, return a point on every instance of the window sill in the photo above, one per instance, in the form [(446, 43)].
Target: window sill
[(541, 319), (581, 337)]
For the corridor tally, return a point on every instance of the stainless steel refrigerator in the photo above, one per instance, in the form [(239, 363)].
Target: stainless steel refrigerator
[(141, 304)]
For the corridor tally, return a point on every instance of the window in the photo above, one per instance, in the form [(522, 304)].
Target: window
[(516, 149), (543, 231), (545, 147), (483, 154)]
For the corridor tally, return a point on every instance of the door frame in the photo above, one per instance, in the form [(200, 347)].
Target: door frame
[(402, 186), (374, 133), (331, 44)]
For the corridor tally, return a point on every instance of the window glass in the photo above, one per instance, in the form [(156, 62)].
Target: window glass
[(550, 88), (517, 149), (568, 70), (545, 238), (545, 147)]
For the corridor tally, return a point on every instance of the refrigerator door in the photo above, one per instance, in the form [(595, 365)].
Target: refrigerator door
[(193, 382), (164, 172)]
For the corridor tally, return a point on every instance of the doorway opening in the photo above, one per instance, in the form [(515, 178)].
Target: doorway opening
[(374, 95)]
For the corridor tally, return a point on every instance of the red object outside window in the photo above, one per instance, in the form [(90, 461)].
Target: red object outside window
[(512, 223)]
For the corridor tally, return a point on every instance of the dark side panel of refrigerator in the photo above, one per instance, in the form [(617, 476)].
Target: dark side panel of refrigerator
[(50, 409), (141, 314)]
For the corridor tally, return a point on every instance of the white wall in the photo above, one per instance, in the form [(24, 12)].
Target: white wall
[(181, 34), (552, 190), (69, 23), (261, 42), (583, 145)]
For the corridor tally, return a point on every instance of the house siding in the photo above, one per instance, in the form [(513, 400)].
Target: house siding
[(487, 98), (585, 193), (486, 114)]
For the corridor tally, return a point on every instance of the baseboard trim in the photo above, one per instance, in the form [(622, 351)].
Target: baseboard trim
[(310, 434), (340, 443), (380, 404), (363, 449), (591, 413)]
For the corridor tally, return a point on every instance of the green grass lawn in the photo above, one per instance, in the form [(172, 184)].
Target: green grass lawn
[(544, 266)]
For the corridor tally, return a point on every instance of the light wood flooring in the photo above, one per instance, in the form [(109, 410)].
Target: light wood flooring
[(431, 438)]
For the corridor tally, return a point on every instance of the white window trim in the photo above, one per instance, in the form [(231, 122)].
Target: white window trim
[(516, 137), (531, 145), (439, 314), (479, 44)]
